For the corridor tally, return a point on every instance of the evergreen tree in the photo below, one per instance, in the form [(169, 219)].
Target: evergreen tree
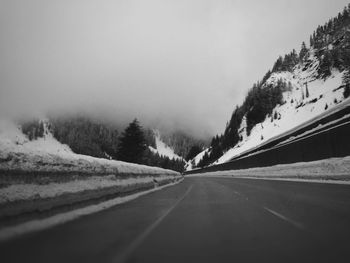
[(150, 138), (311, 41), (86, 136), (132, 143), (204, 161), (347, 90), (278, 65), (324, 69), (303, 51), (195, 149), (34, 129)]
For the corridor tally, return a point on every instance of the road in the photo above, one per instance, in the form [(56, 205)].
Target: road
[(204, 220)]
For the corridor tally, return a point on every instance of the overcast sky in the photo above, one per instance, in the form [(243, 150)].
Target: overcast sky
[(179, 63)]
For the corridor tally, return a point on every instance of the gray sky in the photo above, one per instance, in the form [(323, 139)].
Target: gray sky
[(179, 63)]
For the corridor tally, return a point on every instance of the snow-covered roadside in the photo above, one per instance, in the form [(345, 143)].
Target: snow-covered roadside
[(41, 224), (42, 174), (21, 192), (329, 170)]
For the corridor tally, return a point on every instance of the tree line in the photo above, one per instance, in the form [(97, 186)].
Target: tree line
[(91, 137)]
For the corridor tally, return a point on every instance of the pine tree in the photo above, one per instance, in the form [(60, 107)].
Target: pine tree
[(347, 90), (324, 69), (311, 41), (303, 51), (132, 143), (277, 66), (195, 149), (86, 136)]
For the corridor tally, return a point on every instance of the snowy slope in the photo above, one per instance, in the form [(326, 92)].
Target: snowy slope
[(46, 154), (13, 140), (162, 149), (290, 115), (323, 95), (194, 162)]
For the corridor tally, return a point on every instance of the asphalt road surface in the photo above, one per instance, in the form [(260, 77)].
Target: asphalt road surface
[(204, 220)]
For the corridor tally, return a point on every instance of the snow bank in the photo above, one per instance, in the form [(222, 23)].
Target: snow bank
[(21, 160), (21, 192), (328, 169), (44, 223)]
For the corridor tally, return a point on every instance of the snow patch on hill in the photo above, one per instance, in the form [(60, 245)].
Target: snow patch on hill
[(194, 162), (162, 149), (13, 140)]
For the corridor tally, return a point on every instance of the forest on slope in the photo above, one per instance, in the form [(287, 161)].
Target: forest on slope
[(102, 139), (329, 44)]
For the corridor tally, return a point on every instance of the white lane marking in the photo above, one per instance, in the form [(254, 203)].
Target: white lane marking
[(42, 224), (290, 221), (123, 257)]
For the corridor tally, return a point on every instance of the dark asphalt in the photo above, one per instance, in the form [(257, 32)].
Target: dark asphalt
[(204, 220)]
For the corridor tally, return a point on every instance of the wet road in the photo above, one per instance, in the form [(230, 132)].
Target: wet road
[(204, 220)]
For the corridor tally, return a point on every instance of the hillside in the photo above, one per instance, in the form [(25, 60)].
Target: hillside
[(182, 143), (299, 87), (20, 154), (91, 137), (163, 149)]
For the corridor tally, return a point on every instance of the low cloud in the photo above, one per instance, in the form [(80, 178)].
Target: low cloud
[(175, 64)]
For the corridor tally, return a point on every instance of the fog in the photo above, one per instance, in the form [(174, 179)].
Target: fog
[(181, 64)]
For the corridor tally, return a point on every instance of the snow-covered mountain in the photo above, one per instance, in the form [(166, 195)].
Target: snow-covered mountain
[(298, 108), (162, 148), (299, 88)]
